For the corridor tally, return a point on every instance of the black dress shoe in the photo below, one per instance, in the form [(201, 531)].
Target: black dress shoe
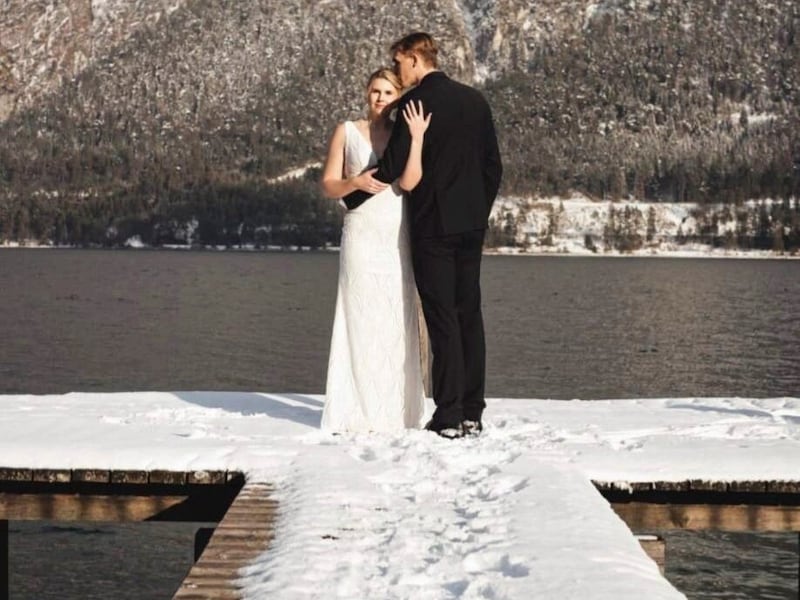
[(472, 428), (446, 431)]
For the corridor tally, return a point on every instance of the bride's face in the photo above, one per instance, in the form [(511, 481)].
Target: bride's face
[(380, 93)]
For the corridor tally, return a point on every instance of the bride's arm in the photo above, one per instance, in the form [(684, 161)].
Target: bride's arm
[(334, 184), (417, 125)]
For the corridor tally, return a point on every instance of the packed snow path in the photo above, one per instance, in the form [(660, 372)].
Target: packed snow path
[(414, 516)]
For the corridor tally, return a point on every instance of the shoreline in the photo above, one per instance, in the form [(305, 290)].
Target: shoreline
[(693, 253)]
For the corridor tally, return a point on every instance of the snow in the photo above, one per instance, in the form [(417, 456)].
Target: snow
[(561, 226), (134, 242), (546, 226), (752, 117), (295, 173), (512, 514)]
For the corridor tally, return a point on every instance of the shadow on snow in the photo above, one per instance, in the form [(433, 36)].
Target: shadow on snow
[(300, 408)]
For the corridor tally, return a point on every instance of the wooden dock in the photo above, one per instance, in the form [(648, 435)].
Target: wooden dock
[(706, 505), (245, 513), (702, 505), (243, 534)]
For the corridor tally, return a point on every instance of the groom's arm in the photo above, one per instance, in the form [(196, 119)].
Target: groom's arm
[(492, 165), (393, 162), (395, 156)]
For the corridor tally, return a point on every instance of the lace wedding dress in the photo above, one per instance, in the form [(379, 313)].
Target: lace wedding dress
[(374, 375)]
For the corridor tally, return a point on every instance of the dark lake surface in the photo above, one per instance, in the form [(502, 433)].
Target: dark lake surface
[(557, 327)]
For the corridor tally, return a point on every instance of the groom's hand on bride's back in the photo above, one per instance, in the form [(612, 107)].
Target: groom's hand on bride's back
[(367, 183)]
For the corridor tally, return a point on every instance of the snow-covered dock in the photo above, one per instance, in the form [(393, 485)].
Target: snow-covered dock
[(512, 514)]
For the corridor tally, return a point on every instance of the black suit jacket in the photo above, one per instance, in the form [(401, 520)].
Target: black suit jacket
[(460, 159)]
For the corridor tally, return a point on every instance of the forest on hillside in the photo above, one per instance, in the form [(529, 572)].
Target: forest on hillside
[(682, 101)]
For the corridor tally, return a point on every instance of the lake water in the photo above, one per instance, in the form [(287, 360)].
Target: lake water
[(556, 327)]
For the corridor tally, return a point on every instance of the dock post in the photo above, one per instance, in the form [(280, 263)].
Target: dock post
[(201, 539), (5, 593), (656, 548)]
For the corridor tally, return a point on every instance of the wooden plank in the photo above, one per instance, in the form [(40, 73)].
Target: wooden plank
[(228, 571), (668, 486), (250, 512), (52, 475), (254, 520), (254, 546), (193, 593), (11, 474), (138, 477), (219, 563), (251, 517), (620, 486), (257, 495), (215, 581), (75, 507), (167, 477), (242, 534), (747, 486), (241, 556), (644, 516), (206, 477), (243, 528), (640, 486), (249, 499), (91, 476), (708, 486), (156, 476), (784, 487)]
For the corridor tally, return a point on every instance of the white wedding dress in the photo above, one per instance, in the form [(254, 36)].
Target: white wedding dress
[(374, 374)]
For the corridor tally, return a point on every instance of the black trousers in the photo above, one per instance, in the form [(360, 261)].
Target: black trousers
[(447, 270)]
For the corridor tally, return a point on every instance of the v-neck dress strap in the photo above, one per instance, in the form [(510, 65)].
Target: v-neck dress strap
[(358, 153)]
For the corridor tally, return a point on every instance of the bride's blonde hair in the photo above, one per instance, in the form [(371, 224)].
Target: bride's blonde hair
[(388, 75)]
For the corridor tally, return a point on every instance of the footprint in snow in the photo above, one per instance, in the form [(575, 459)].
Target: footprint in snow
[(479, 562), (501, 487), (365, 454)]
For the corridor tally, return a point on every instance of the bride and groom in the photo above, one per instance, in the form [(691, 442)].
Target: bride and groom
[(442, 152)]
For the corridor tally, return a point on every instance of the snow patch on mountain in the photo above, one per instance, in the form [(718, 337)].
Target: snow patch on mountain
[(581, 225)]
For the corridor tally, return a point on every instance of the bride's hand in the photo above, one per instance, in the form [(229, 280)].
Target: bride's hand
[(367, 183), (417, 124)]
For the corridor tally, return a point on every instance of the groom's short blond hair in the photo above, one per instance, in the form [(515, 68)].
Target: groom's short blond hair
[(420, 43)]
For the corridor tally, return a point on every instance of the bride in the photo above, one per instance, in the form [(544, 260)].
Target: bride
[(374, 376)]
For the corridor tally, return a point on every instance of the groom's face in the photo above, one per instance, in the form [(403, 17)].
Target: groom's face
[(404, 68)]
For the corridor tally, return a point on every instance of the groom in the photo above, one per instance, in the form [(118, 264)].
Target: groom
[(449, 209)]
